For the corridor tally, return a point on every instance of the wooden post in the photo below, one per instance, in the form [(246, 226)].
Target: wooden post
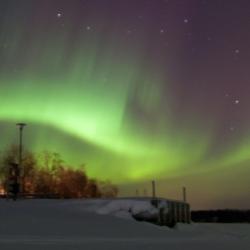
[(153, 189), (137, 193), (184, 194)]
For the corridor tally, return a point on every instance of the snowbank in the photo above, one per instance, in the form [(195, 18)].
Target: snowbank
[(130, 206)]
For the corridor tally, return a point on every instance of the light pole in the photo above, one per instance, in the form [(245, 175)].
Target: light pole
[(21, 126)]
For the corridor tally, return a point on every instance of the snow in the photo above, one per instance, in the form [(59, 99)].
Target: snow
[(106, 224), (129, 207)]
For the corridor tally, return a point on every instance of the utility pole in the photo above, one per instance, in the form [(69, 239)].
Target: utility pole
[(21, 168), (184, 194)]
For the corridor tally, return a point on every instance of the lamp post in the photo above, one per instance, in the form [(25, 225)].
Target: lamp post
[(22, 177)]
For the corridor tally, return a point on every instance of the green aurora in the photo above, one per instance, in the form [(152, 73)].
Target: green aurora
[(99, 96)]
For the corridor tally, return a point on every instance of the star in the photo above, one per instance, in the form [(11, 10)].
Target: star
[(162, 31), (88, 28), (59, 14), (232, 129), (237, 101), (185, 20), (237, 51)]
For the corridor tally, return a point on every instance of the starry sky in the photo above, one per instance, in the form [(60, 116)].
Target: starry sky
[(137, 90)]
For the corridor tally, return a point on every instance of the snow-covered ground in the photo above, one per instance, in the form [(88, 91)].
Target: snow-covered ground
[(104, 224)]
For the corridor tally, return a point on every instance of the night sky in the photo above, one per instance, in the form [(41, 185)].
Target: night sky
[(135, 89)]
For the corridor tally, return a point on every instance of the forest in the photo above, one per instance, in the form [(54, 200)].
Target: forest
[(46, 175)]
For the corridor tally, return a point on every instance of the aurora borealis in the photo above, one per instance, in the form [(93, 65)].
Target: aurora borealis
[(136, 90)]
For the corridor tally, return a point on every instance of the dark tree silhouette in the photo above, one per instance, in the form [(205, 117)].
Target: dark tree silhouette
[(46, 175)]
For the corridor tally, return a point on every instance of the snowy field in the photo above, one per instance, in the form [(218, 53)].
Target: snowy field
[(103, 224)]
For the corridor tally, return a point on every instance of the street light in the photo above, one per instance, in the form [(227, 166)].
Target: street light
[(21, 126)]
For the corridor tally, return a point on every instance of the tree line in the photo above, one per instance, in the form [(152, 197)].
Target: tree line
[(46, 174), (222, 216)]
